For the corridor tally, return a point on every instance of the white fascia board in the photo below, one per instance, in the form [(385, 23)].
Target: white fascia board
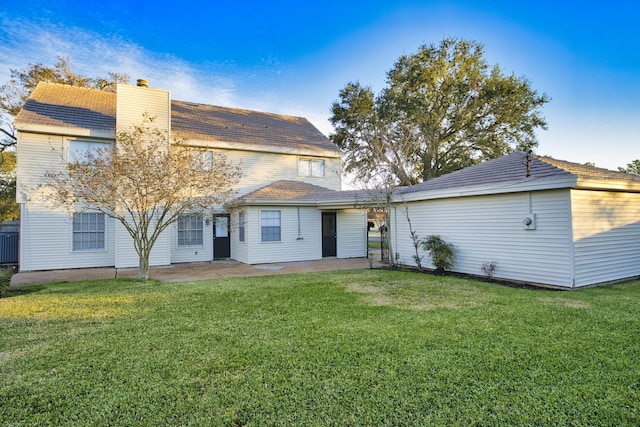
[(486, 190), (262, 202), (311, 152), (67, 131), (339, 206), (305, 203)]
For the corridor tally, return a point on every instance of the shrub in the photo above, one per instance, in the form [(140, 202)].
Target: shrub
[(489, 268), (442, 253)]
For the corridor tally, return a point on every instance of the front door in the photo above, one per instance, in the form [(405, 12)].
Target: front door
[(328, 234), (221, 239)]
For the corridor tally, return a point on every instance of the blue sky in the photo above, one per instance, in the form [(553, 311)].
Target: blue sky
[(294, 57)]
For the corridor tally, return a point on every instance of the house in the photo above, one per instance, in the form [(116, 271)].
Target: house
[(544, 221), (284, 161)]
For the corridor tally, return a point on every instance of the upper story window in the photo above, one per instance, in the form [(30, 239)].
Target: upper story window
[(89, 231), (190, 230), (310, 167), (205, 158), (81, 151)]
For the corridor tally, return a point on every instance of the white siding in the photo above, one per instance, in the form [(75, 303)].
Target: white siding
[(46, 242), (45, 229), (486, 228), (126, 255), (37, 154), (351, 233), (240, 250), (260, 169), (606, 233), (133, 101), (293, 247)]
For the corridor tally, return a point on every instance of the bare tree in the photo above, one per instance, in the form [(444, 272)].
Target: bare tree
[(145, 182)]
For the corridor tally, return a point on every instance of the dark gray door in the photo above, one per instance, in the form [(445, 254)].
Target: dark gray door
[(328, 234), (221, 239)]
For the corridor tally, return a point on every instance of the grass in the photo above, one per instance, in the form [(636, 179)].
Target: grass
[(343, 348), (374, 245)]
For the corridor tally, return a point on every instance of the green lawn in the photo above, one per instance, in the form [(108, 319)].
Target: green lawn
[(343, 348)]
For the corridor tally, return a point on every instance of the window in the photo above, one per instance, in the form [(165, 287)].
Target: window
[(241, 226), (310, 167), (88, 231), (205, 158), (81, 151), (190, 230), (270, 226)]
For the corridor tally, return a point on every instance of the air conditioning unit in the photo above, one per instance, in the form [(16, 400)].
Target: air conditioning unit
[(529, 221)]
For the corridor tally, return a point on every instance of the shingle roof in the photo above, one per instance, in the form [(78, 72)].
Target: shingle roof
[(285, 190), (296, 191), (584, 171), (52, 104), (210, 123), (512, 169)]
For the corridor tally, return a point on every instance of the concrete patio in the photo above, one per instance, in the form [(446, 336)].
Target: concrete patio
[(198, 270)]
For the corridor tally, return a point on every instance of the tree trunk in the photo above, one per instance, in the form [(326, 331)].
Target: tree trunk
[(143, 270)]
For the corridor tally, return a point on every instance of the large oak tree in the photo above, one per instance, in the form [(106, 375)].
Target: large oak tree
[(632, 168), (443, 108)]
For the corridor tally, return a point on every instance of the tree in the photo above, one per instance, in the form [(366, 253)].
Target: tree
[(15, 92), (443, 109), (8, 207), (632, 168), (144, 182)]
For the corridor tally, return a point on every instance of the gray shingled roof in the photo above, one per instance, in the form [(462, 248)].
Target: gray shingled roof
[(211, 123), (52, 104), (590, 172), (285, 190), (512, 169), (302, 192)]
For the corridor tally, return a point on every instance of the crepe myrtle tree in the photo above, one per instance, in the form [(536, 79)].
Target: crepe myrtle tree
[(143, 181)]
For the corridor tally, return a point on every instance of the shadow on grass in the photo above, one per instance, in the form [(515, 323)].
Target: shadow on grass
[(13, 291)]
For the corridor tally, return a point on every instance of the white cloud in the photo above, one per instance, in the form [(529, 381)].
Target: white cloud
[(91, 54)]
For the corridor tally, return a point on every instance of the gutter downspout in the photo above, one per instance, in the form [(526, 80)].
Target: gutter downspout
[(572, 246)]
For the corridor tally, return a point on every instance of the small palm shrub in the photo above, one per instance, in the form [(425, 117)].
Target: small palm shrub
[(442, 253)]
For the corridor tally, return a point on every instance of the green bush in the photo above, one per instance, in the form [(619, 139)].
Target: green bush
[(442, 253)]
